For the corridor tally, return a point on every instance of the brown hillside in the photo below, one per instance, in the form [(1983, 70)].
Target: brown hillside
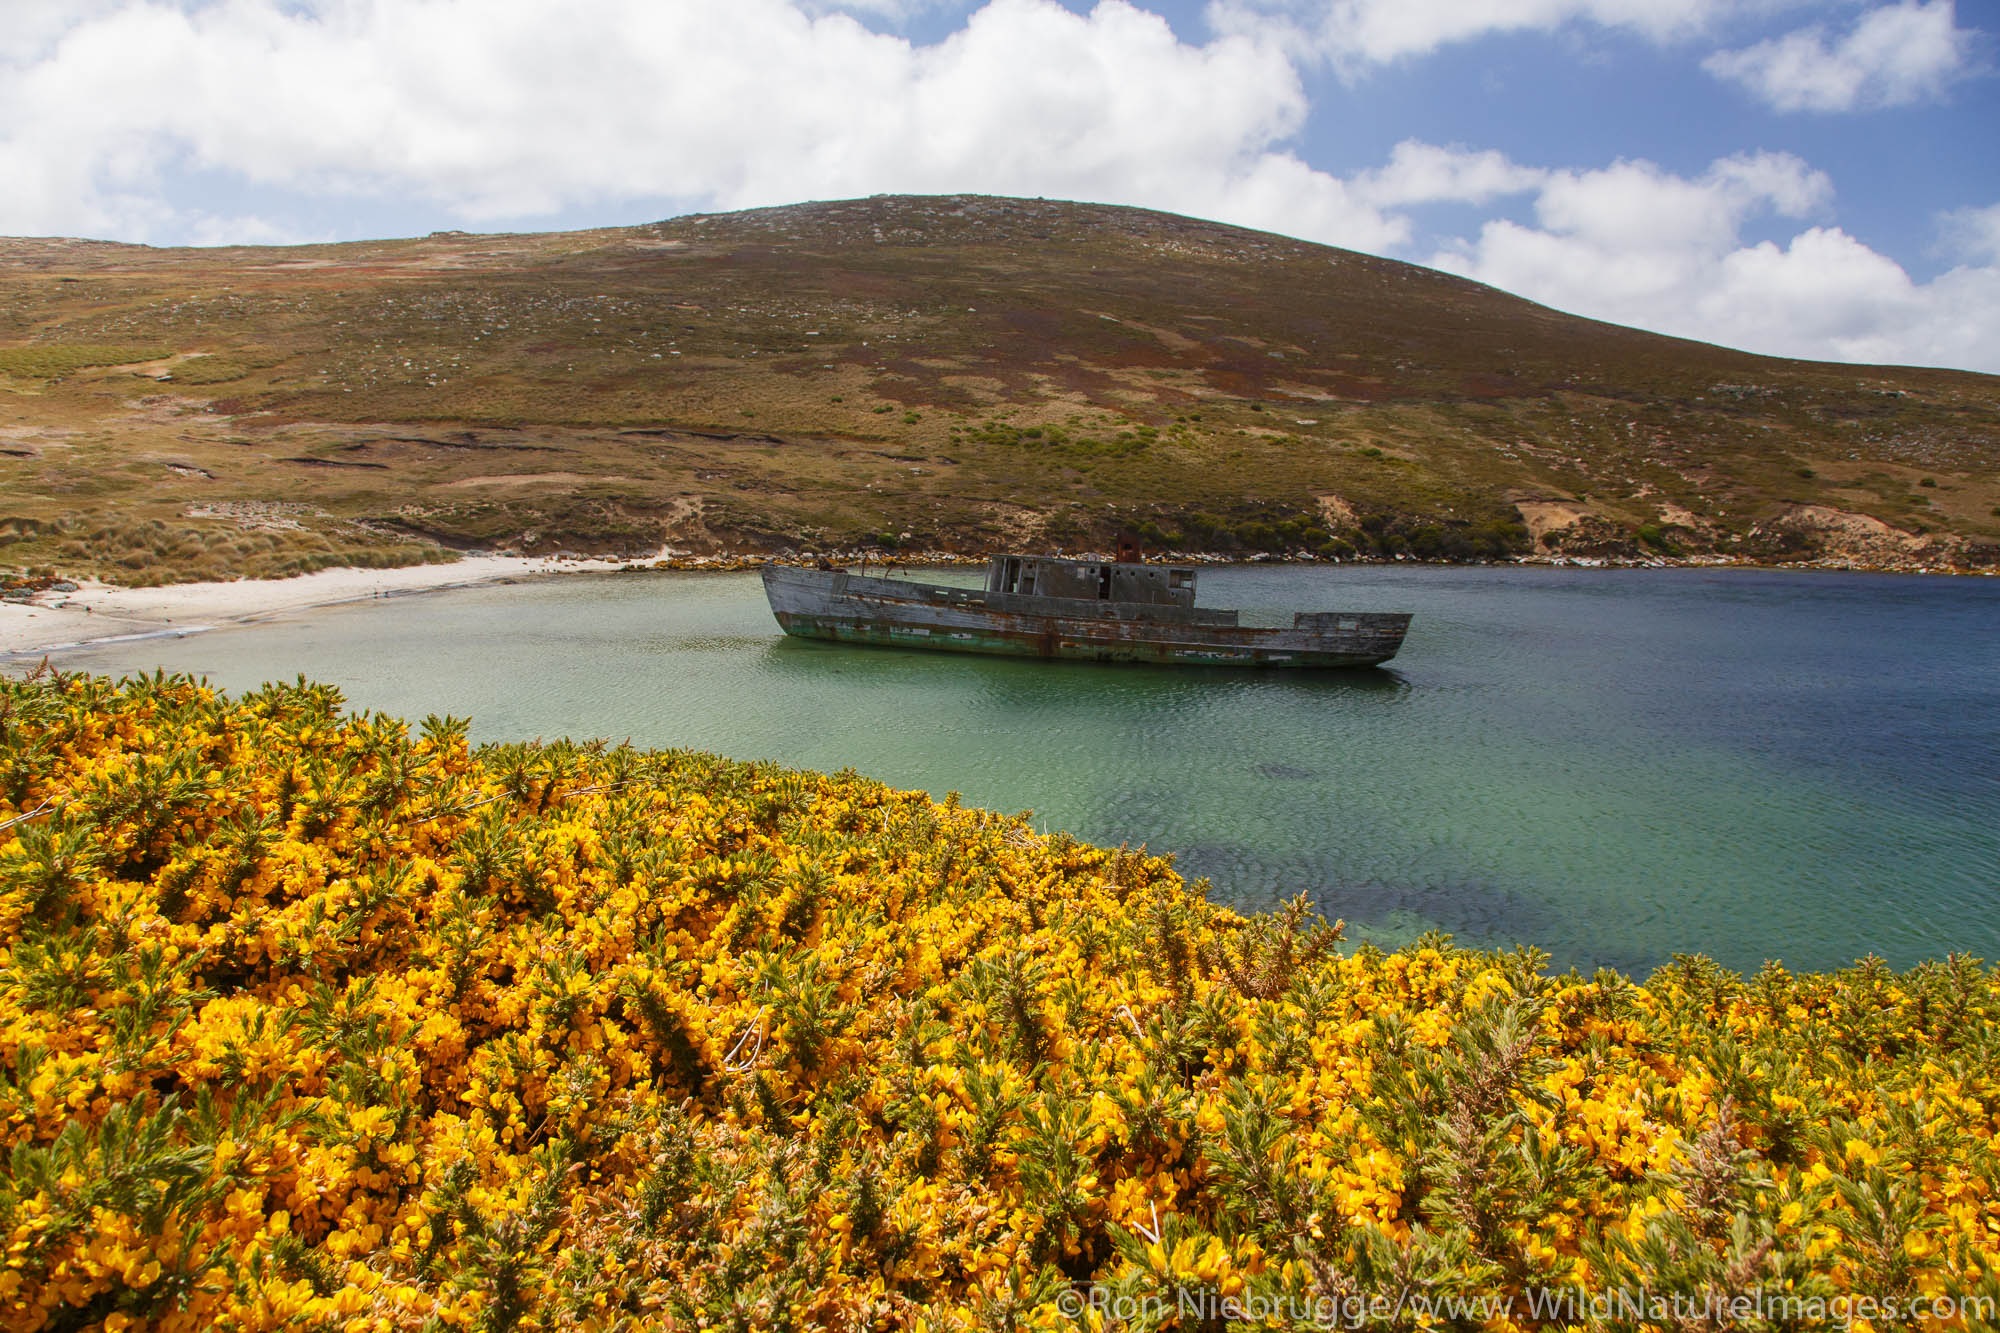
[(942, 373)]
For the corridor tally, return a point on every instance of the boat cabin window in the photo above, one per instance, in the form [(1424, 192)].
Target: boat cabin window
[(1033, 576)]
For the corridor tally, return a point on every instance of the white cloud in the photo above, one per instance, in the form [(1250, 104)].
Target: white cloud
[(32, 27), (1893, 56), (1973, 234), (512, 108), (1833, 298), (1421, 173), (1637, 245), (477, 110), (1635, 208), (1357, 33), (891, 11)]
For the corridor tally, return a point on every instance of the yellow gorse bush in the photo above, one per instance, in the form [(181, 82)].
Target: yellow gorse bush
[(313, 1022)]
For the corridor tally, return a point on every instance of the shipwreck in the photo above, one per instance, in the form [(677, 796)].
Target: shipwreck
[(1075, 610)]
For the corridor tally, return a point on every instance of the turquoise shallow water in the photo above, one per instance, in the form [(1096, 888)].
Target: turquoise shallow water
[(1611, 765)]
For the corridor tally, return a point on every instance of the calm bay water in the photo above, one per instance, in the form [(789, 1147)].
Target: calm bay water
[(1611, 765)]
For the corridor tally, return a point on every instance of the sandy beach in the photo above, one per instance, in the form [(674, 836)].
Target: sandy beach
[(96, 612), (100, 612)]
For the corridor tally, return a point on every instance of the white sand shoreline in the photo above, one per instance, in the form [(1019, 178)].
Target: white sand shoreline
[(99, 613)]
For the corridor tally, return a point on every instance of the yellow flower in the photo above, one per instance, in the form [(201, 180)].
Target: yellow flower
[(727, 1019)]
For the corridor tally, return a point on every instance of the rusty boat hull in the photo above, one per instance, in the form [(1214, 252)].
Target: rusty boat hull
[(854, 608)]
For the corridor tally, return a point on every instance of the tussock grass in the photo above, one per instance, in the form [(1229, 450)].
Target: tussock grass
[(143, 553)]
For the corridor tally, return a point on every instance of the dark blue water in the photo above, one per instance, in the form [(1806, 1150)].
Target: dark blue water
[(1611, 765)]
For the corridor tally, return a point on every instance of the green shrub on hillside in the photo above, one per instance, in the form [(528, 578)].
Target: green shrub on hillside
[(54, 360)]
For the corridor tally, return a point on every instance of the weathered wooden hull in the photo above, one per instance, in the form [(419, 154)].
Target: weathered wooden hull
[(850, 608)]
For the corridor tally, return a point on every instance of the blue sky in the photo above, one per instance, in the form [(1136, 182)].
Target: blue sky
[(1807, 179)]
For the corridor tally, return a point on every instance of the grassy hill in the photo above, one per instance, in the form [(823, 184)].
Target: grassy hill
[(939, 373)]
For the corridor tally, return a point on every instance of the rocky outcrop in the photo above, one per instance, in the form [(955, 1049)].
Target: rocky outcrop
[(1819, 534)]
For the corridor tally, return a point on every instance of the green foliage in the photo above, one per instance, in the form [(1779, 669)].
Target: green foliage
[(1058, 442), (1387, 535), (224, 368), (52, 361)]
